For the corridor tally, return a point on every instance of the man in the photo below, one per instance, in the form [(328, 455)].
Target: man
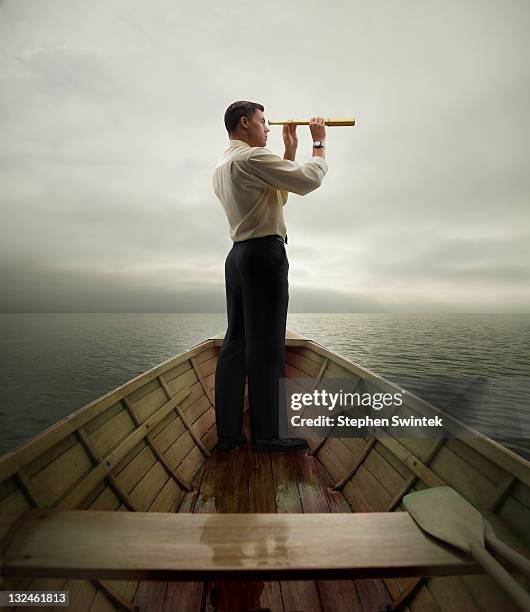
[(252, 184)]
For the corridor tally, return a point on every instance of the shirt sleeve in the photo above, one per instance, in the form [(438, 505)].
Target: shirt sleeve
[(285, 174)]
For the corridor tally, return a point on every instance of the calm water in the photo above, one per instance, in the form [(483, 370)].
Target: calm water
[(476, 366)]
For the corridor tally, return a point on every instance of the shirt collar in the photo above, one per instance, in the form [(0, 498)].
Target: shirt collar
[(234, 142)]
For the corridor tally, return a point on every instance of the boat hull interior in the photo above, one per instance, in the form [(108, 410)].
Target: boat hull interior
[(150, 446)]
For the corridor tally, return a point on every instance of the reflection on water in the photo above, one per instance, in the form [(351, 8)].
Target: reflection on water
[(52, 364)]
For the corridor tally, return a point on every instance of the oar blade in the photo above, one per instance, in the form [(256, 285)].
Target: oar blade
[(446, 515)]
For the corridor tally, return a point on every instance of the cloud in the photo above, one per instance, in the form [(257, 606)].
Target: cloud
[(111, 117)]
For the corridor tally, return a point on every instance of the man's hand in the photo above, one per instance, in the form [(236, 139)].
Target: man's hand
[(290, 139)]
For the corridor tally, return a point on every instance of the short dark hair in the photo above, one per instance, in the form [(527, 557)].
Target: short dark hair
[(236, 110)]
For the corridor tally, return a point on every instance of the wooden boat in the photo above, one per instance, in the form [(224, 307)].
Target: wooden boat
[(127, 505)]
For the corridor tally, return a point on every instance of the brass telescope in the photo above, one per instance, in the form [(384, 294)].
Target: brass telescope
[(329, 122)]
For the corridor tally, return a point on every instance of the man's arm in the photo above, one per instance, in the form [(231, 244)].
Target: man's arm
[(285, 174)]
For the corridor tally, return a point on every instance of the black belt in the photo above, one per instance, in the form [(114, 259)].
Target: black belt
[(276, 236)]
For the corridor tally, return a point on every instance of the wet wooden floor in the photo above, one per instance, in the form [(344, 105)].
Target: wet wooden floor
[(242, 481)]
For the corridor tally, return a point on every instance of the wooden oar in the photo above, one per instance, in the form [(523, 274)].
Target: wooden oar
[(329, 122), (446, 515), (520, 563)]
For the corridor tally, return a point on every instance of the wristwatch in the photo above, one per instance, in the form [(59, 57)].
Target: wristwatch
[(319, 145)]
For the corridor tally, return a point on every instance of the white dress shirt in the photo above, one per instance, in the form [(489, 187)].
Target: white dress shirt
[(252, 184)]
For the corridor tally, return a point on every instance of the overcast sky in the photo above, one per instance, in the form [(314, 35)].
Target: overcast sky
[(111, 118)]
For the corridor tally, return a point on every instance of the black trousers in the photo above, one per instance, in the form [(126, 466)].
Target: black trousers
[(257, 296)]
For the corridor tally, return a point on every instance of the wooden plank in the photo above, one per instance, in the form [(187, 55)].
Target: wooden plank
[(145, 492), (207, 355), (309, 368), (370, 489), (286, 490), (84, 486), (210, 438), (191, 464), (521, 493), (420, 446), (179, 450), (171, 429), (136, 468), (196, 393), (60, 475), (262, 499), (293, 372), (463, 477), (372, 594), (186, 595), (198, 373), (356, 464), (501, 492), (517, 517), (502, 456), (107, 500), (119, 545), (339, 595), (451, 595), (183, 418), (145, 391), (12, 461), (102, 604), (300, 595), (156, 451), (322, 374), (196, 409), (178, 598), (487, 595), (143, 407), (305, 353), (423, 601), (394, 461), (336, 500), (390, 479), (9, 486), (150, 596), (355, 499), (487, 467), (207, 365), (355, 445), (310, 488), (110, 478), (82, 594), (335, 457), (204, 423), (115, 598), (30, 490), (315, 497), (412, 462), (103, 418), (217, 497), (494, 451), (261, 484), (311, 496), (40, 462), (168, 499), (411, 480), (186, 380), (41, 584)]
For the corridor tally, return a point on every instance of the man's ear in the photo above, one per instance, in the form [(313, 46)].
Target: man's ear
[(244, 122)]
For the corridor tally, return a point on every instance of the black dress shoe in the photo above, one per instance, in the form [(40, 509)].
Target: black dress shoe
[(226, 444), (278, 445)]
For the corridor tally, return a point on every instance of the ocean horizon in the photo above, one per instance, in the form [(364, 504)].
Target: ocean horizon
[(54, 363)]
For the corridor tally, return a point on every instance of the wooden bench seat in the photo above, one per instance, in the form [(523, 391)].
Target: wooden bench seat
[(163, 546)]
